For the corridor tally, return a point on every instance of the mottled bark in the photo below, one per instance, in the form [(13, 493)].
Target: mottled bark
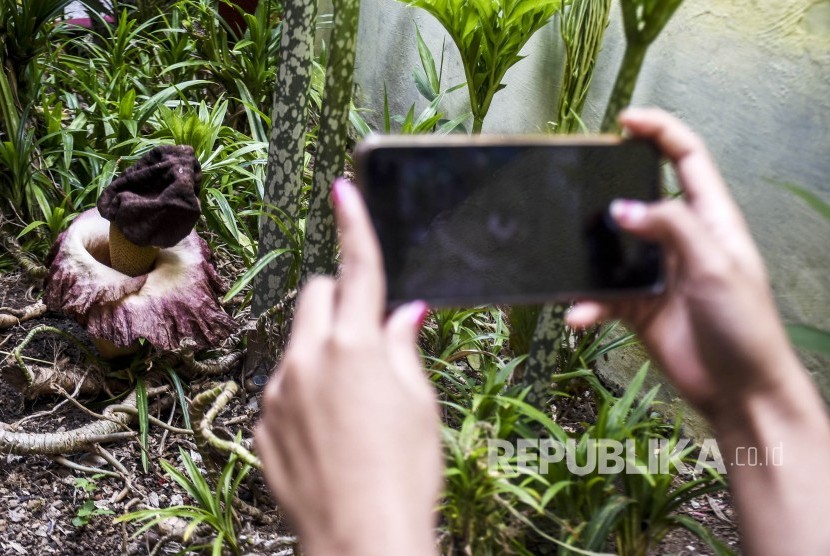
[(320, 248), (284, 180), (57, 443), (544, 353)]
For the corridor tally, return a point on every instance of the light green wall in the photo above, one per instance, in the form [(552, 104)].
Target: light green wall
[(751, 76)]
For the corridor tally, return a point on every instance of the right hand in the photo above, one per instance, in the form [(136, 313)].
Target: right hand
[(715, 331)]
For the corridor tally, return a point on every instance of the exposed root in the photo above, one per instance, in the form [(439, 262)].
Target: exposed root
[(203, 412), (252, 511), (30, 267), (12, 317), (61, 377), (154, 420), (210, 367), (84, 468), (59, 443), (28, 375), (275, 329), (266, 339)]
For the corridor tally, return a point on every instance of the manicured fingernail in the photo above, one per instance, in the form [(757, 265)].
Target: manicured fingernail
[(342, 192), (626, 211), (417, 312)]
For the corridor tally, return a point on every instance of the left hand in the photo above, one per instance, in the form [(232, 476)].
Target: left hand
[(349, 435)]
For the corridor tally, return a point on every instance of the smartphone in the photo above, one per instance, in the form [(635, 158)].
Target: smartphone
[(478, 220)]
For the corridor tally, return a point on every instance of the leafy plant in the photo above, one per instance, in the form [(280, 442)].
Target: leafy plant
[(87, 511), (427, 80), (513, 507), (804, 335), (212, 507), (25, 29), (489, 35), (582, 27)]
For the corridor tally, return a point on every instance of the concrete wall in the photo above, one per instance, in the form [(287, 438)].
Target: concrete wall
[(751, 76)]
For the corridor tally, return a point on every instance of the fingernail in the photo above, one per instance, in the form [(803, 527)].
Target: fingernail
[(342, 192), (627, 211), (417, 312)]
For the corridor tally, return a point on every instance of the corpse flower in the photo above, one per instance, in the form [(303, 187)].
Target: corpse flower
[(135, 268)]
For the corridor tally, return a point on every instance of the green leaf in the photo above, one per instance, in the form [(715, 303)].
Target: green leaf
[(704, 534), (179, 387), (143, 421), (809, 337), (422, 85), (428, 64), (811, 199), (249, 274), (30, 227)]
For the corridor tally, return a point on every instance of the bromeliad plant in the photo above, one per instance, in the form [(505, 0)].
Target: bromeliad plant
[(489, 35), (212, 508), (428, 82), (511, 509), (497, 503)]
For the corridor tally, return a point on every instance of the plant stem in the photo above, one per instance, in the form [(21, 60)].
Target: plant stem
[(624, 85), (203, 412), (582, 29), (478, 122)]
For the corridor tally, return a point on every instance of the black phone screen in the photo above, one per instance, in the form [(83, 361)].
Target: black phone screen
[(472, 224)]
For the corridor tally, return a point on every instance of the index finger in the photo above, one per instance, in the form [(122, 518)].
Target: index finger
[(699, 177), (362, 287), (704, 187)]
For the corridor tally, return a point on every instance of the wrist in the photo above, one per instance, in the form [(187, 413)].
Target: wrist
[(769, 413), (369, 530)]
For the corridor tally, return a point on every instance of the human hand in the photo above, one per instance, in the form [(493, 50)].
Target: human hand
[(715, 331), (349, 435)]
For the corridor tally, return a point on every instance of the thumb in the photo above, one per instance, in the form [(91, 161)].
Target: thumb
[(672, 224)]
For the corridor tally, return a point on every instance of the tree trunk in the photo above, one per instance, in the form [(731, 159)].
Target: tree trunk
[(320, 247), (284, 181)]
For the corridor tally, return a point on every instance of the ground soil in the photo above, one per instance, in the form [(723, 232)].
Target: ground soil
[(39, 498)]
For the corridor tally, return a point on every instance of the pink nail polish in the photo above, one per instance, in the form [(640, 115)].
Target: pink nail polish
[(418, 311), (342, 192), (627, 211)]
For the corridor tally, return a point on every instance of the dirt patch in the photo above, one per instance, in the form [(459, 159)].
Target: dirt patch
[(48, 508)]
